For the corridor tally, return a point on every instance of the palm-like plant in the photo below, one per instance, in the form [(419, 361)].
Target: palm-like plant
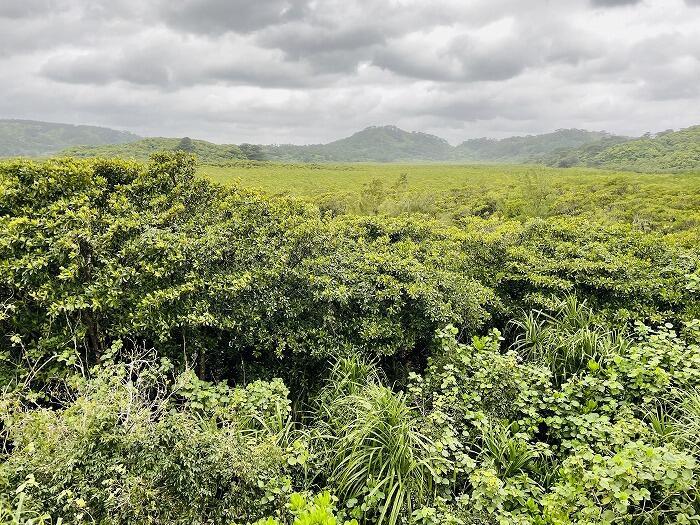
[(687, 421), (662, 423), (567, 340), (376, 454), (507, 454), (380, 454), (349, 375)]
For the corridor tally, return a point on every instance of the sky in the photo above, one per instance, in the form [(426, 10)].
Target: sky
[(310, 71)]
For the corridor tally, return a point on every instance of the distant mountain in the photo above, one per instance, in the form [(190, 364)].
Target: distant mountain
[(33, 138), (206, 152), (372, 144), (529, 148), (391, 144), (666, 151)]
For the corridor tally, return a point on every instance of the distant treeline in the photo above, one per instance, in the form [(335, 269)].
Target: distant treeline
[(205, 152), (667, 151), (664, 152)]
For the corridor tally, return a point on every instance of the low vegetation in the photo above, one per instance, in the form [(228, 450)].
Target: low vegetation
[(664, 203), (176, 351)]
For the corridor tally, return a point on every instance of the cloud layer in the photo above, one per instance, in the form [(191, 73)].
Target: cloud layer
[(314, 70)]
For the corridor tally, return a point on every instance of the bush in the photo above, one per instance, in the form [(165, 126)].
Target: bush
[(304, 354), (653, 484), (95, 251), (320, 510), (128, 448)]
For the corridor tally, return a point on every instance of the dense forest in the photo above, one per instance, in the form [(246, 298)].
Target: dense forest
[(529, 148), (391, 144), (176, 351)]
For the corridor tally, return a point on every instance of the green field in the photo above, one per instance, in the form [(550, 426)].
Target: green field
[(316, 179), (663, 202)]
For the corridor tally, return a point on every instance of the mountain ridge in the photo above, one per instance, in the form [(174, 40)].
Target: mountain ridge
[(35, 138), (666, 151), (669, 150)]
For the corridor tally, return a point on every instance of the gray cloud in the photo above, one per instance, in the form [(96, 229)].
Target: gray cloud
[(308, 71), (104, 69), (221, 16), (17, 9), (614, 3)]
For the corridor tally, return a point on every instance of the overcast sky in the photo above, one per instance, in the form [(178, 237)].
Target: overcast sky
[(302, 71)]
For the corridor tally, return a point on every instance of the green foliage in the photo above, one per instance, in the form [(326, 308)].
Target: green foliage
[(617, 269), (527, 148), (304, 352), (686, 424), (143, 149), (667, 151), (95, 251), (652, 484), (668, 204), (469, 393), (664, 152), (391, 144), (373, 144), (13, 511), (130, 444), (378, 459), (529, 445), (185, 145), (318, 511), (252, 152), (568, 341)]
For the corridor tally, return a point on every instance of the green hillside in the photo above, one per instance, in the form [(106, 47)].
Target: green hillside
[(29, 138), (206, 152), (666, 151), (373, 144), (391, 144), (528, 148)]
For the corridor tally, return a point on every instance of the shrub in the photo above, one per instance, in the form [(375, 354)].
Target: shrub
[(568, 341), (125, 450), (649, 484), (319, 510), (94, 251)]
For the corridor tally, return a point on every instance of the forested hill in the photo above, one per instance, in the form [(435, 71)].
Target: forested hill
[(391, 144), (33, 138), (529, 148), (666, 151), (373, 144), (206, 152)]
